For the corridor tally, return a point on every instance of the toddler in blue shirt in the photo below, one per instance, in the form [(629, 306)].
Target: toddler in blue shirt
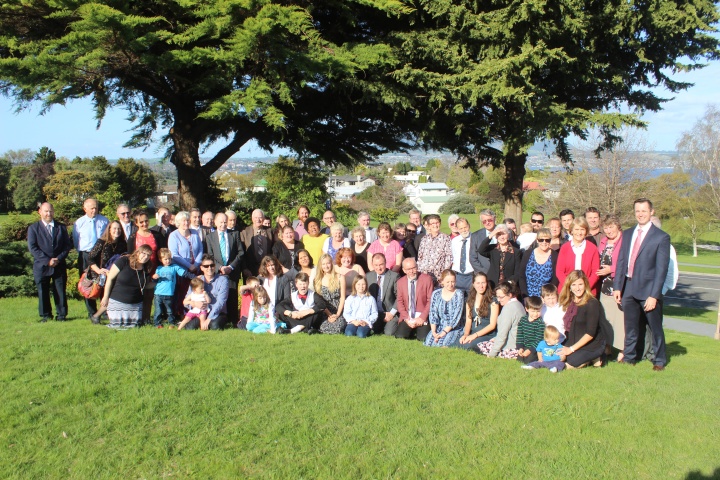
[(547, 352), (166, 277)]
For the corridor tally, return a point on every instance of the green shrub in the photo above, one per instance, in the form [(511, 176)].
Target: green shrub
[(17, 286), (15, 259), (15, 228)]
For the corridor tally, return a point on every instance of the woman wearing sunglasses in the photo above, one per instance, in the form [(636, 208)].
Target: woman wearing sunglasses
[(537, 267)]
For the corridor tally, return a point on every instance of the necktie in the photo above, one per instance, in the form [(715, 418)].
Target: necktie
[(127, 230), (634, 253), (49, 229), (463, 256), (222, 248), (259, 245), (412, 299), (302, 298), (379, 297), (93, 235)]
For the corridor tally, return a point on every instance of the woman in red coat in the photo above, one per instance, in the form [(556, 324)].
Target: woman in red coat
[(578, 254)]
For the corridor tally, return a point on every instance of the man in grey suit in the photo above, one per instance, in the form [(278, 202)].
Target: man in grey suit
[(640, 273), (382, 284), (477, 261), (227, 250), (49, 244)]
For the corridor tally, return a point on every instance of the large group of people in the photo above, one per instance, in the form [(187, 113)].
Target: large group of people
[(568, 295)]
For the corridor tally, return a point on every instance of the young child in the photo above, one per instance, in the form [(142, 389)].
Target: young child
[(552, 312), (246, 294), (547, 352), (166, 276), (527, 236), (360, 309), (261, 318), (198, 294), (530, 331)]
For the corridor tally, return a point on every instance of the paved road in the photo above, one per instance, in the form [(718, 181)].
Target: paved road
[(688, 326), (695, 290)]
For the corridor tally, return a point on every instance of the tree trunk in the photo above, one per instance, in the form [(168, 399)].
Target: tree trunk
[(192, 183), (513, 185), (694, 246)]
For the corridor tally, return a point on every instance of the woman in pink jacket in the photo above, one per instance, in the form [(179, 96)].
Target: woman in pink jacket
[(578, 254)]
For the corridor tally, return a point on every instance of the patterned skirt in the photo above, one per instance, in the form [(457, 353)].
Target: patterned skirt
[(485, 347), (336, 327), (449, 340), (124, 315)]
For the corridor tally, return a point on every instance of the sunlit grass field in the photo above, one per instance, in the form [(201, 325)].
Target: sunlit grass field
[(81, 401)]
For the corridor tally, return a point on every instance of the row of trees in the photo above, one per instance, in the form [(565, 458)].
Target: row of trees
[(28, 178), (340, 82)]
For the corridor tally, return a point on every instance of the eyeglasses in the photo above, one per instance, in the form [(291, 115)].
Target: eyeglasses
[(543, 240), (452, 224), (537, 220), (208, 265), (124, 213), (489, 220)]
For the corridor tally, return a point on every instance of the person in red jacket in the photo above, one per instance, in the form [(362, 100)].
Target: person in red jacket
[(578, 254)]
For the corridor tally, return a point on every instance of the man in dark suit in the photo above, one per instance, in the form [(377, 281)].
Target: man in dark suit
[(226, 249), (124, 216), (640, 273), (382, 284), (163, 226), (479, 262), (49, 244), (413, 302), (258, 242)]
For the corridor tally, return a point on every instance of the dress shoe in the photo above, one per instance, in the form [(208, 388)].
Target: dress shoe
[(45, 319), (312, 331), (60, 319), (281, 331), (658, 368), (625, 362)]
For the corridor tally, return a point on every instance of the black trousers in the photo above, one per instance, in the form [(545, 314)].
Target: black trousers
[(584, 355), (55, 284), (83, 262), (311, 321), (217, 323), (404, 331), (636, 322)]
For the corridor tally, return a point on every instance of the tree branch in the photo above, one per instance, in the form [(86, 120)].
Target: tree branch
[(228, 151)]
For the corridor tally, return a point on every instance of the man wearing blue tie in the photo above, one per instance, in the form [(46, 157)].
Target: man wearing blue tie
[(49, 245), (227, 251), (86, 231), (640, 273)]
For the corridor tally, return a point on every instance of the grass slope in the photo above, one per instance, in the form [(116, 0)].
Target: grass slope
[(80, 401)]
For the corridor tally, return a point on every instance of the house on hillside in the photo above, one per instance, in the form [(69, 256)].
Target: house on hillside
[(428, 197), (344, 187), (411, 177)]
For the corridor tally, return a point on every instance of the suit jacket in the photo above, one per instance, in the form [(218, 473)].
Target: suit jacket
[(235, 248), (162, 232), (423, 293), (478, 262), (590, 264), (252, 258), (651, 264), (283, 287), (389, 297), (523, 269), (133, 230), (43, 248), (511, 265)]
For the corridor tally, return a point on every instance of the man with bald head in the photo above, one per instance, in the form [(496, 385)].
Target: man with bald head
[(257, 240), (163, 227), (49, 244), (86, 232), (413, 302), (225, 247)]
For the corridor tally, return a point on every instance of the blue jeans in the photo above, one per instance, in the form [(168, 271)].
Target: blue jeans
[(351, 330), (163, 306)]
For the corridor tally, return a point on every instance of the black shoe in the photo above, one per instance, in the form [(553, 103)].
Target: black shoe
[(60, 319), (45, 319), (312, 331), (282, 331), (95, 320)]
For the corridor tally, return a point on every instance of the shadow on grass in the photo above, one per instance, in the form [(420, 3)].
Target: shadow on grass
[(674, 349), (697, 475)]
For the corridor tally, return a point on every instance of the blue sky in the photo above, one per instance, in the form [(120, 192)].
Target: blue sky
[(70, 130)]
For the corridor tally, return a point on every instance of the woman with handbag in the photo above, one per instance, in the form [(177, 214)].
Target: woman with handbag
[(107, 249)]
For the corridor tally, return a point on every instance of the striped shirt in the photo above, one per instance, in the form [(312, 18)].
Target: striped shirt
[(530, 334)]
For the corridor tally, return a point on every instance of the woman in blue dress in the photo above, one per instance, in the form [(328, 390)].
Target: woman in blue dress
[(537, 267), (446, 308)]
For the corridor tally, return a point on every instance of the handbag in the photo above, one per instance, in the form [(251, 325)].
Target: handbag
[(89, 289)]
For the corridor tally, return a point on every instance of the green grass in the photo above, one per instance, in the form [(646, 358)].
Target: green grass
[(694, 314), (81, 401)]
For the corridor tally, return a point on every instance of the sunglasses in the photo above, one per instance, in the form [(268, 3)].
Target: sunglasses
[(124, 213), (208, 265), (543, 240), (536, 220)]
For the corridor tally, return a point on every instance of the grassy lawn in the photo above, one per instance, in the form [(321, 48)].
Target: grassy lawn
[(694, 314), (81, 401)]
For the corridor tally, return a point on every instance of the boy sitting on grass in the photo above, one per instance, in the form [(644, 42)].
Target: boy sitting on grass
[(530, 330), (547, 352)]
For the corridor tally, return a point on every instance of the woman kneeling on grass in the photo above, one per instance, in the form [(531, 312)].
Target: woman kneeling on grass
[(504, 344), (125, 286), (360, 309), (585, 342), (446, 307)]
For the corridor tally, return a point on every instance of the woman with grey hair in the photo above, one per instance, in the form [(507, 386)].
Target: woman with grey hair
[(504, 257), (187, 251), (336, 241), (360, 247), (609, 249)]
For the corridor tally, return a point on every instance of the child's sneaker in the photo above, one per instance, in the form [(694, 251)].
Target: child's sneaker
[(527, 367), (553, 369)]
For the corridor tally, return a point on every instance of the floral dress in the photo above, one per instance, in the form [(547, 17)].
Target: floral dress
[(446, 314), (333, 300), (537, 275)]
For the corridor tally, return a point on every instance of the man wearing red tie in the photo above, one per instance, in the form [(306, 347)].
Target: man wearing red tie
[(413, 302), (642, 266)]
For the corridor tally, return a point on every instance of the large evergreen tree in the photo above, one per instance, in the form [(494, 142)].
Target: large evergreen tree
[(300, 75)]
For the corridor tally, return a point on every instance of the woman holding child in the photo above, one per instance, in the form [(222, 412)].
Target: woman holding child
[(504, 344), (481, 313), (585, 343), (446, 306)]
